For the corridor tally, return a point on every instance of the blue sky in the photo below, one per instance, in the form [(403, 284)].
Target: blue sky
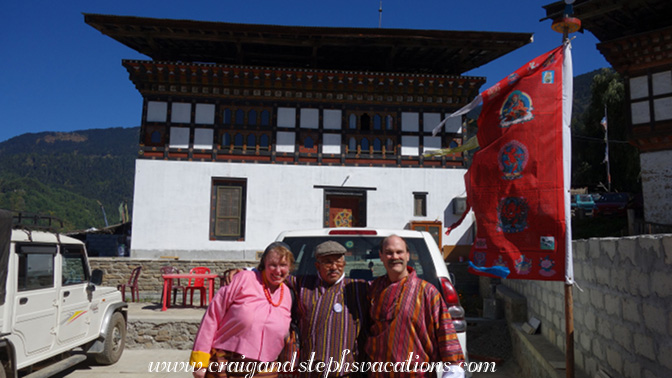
[(59, 74)]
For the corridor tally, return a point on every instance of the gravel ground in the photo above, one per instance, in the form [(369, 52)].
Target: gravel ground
[(488, 339)]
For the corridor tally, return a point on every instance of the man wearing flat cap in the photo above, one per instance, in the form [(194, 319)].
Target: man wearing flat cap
[(332, 310)]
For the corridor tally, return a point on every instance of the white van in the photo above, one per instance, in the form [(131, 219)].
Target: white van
[(51, 304)]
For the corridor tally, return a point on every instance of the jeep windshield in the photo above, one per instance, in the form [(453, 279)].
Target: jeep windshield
[(362, 260)]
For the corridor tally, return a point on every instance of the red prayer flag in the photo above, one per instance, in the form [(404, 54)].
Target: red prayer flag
[(518, 182)]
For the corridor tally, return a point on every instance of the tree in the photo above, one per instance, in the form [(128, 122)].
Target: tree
[(588, 147)]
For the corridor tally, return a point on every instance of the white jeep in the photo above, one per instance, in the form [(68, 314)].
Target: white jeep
[(51, 305)]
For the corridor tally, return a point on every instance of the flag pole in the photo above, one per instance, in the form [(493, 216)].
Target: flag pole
[(606, 147), (566, 25)]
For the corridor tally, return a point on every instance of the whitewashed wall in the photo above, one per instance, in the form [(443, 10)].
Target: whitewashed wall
[(171, 210), (656, 170)]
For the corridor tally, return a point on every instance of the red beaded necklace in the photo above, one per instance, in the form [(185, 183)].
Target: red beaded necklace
[(267, 293)]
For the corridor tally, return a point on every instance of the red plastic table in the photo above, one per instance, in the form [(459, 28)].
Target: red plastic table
[(168, 285)]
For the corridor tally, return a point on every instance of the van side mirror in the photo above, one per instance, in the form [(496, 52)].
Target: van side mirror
[(97, 277)]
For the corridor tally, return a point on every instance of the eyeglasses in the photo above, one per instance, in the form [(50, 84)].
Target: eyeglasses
[(335, 263)]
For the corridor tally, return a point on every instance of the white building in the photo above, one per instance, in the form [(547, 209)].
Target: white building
[(293, 128)]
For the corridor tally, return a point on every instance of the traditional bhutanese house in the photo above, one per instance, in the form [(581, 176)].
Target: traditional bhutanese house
[(249, 130), (636, 39)]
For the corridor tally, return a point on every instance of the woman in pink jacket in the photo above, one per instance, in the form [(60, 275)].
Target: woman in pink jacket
[(247, 321)]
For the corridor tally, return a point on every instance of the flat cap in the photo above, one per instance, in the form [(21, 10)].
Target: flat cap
[(329, 248)]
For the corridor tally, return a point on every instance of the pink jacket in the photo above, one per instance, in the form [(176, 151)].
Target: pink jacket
[(240, 319)]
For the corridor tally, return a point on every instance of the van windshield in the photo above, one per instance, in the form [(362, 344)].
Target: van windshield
[(362, 260)]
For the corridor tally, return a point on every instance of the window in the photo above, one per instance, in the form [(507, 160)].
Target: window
[(240, 117), (227, 211), (156, 137), (308, 142), (263, 141), (36, 267), (365, 122), (365, 145), (420, 204), (251, 141), (238, 141), (352, 145), (352, 123), (651, 98), (74, 271), (226, 140), (377, 145), (345, 209), (252, 118), (227, 116), (377, 122), (265, 118)]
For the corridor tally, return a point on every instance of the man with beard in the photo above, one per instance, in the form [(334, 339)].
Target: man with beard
[(410, 320)]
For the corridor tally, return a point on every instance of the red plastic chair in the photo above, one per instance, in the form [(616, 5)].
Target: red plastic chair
[(175, 284), (196, 284), (131, 284)]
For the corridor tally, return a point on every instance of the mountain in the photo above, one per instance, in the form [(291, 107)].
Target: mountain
[(65, 174)]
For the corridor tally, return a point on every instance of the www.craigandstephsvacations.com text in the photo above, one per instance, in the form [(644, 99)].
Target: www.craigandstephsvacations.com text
[(411, 365)]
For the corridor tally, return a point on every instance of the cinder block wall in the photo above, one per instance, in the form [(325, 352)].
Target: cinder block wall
[(117, 270), (622, 306)]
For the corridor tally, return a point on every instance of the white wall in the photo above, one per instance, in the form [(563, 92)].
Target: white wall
[(171, 205), (656, 173)]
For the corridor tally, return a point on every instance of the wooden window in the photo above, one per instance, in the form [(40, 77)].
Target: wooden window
[(352, 123), (240, 117), (420, 204), (377, 145), (251, 141), (263, 141), (377, 122), (365, 122), (227, 212), (227, 116), (265, 118), (252, 118)]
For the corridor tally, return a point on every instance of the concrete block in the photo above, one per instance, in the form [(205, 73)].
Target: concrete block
[(589, 273), (594, 251), (579, 250), (590, 321), (654, 318), (597, 299), (619, 279), (602, 275), (667, 249), (609, 248), (627, 249), (632, 369), (662, 283), (664, 354), (604, 329), (612, 304), (597, 349), (651, 244), (631, 310), (615, 360), (639, 283), (622, 335), (644, 346)]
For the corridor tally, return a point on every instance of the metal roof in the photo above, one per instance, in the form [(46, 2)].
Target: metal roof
[(354, 49)]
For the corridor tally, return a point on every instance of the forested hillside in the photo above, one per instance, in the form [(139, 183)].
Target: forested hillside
[(66, 174)]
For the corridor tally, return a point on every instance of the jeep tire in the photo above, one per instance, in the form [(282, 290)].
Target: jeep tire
[(115, 339)]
